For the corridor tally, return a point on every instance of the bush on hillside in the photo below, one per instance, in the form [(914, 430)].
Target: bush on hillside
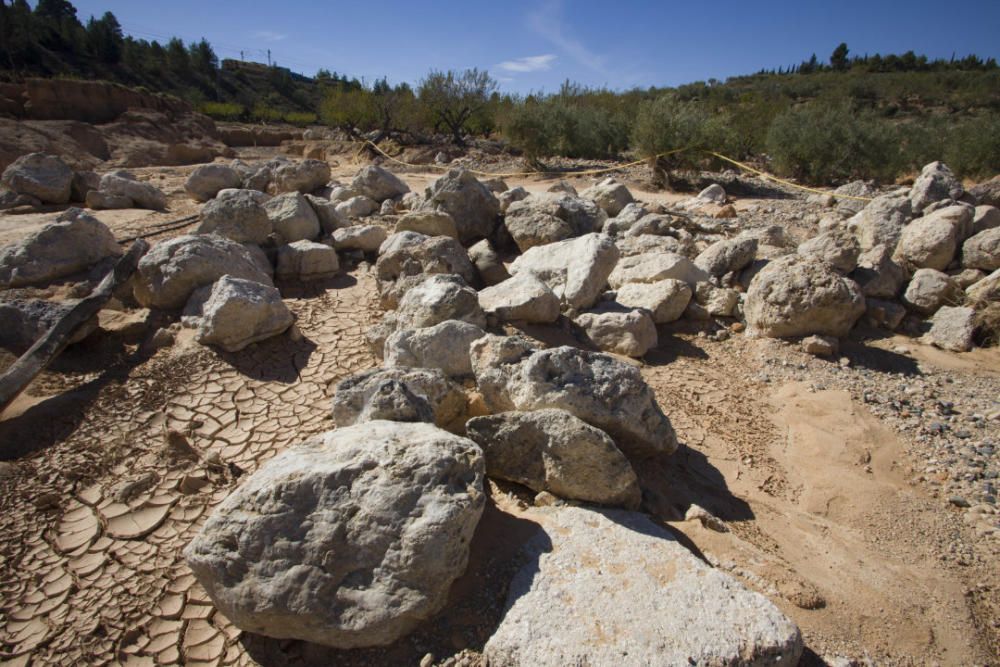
[(557, 126), (826, 144)]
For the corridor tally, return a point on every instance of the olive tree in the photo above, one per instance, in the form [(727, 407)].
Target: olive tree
[(454, 98)]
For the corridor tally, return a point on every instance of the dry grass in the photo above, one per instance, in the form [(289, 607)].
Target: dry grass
[(987, 321)]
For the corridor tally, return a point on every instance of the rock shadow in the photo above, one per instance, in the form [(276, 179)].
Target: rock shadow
[(294, 289), (476, 605), (669, 348), (877, 359), (276, 359), (671, 484)]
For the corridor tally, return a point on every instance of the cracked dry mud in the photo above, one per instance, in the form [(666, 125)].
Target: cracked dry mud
[(117, 455)]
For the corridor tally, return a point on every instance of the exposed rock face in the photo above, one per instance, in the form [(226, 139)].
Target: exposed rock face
[(205, 181), (306, 260), (392, 508), (793, 296), (597, 388), (620, 330), (664, 299), (521, 298), (379, 184), (953, 328), (546, 218), (576, 269), (357, 207), (882, 220), (878, 275), (238, 216), (666, 608), (551, 450), (173, 269), (930, 242), (838, 248), (429, 223), (235, 313), (366, 238), (610, 195), (326, 211), (722, 257), (929, 290), (412, 254), (72, 243), (488, 263), (654, 267), (305, 176), (936, 182), (397, 394), (292, 218), (469, 202), (444, 346), (45, 177), (985, 217), (143, 195), (982, 251)]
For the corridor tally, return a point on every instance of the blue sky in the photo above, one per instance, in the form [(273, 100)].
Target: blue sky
[(535, 45)]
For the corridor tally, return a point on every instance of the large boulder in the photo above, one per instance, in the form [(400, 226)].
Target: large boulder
[(664, 299), (930, 242), (508, 197), (982, 251), (143, 195), (366, 238), (488, 263), (878, 275), (206, 180), (75, 241), (292, 218), (306, 260), (794, 296), (546, 218), (357, 207), (612, 587), (882, 220), (349, 539), (411, 254), (953, 328), (936, 182), (522, 298), (398, 394), (379, 184), (576, 270), (238, 216), (725, 256), (444, 346), (656, 266), (234, 313), (985, 217), (612, 328), (837, 247), (987, 289), (330, 219), (987, 193), (610, 195), (429, 223), (628, 216), (438, 298), (24, 321), (551, 450), (45, 177), (303, 177), (469, 202), (175, 268), (929, 290), (599, 389)]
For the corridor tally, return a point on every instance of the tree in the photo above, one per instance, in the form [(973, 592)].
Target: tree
[(454, 98), (178, 60), (104, 38), (203, 58), (838, 59)]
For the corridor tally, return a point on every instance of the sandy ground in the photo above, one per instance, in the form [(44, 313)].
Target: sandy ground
[(824, 514)]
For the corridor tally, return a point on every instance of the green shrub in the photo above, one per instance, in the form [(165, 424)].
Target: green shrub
[(824, 144), (973, 147), (222, 110), (300, 118), (266, 114), (558, 126), (670, 124)]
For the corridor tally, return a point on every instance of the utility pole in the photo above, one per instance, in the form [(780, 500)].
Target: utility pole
[(241, 56), (269, 57)]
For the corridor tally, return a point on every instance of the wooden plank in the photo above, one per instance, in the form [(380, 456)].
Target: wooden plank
[(48, 347)]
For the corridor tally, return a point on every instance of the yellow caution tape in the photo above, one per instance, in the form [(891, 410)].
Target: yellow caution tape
[(594, 172)]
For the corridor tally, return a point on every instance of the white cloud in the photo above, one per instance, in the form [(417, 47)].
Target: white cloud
[(269, 35), (548, 21), (528, 64)]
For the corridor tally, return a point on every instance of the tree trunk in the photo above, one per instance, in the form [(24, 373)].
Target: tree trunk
[(48, 347)]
